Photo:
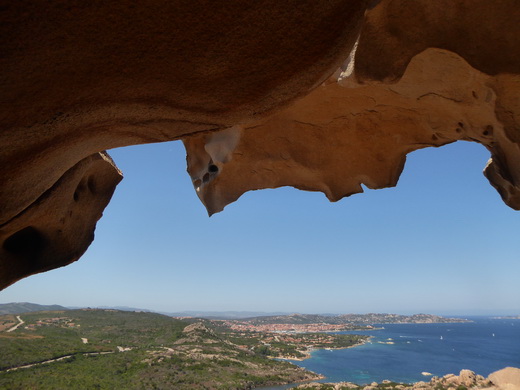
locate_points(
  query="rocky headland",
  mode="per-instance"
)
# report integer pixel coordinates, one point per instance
(505, 379)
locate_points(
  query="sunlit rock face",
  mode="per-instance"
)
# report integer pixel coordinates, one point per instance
(485, 34)
(423, 74)
(264, 94)
(506, 379)
(345, 134)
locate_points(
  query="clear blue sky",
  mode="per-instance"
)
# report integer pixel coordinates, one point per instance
(441, 242)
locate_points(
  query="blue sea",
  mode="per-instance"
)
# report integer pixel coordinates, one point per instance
(402, 352)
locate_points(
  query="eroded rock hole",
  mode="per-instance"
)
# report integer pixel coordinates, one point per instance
(213, 168)
(26, 241)
(205, 178)
(488, 130)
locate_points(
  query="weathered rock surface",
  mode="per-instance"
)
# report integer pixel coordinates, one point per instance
(505, 379)
(486, 34)
(345, 134)
(59, 226)
(78, 78)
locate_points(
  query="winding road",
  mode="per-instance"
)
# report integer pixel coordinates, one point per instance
(84, 340)
(58, 359)
(17, 325)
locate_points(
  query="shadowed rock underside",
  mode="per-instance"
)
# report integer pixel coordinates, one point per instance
(263, 95)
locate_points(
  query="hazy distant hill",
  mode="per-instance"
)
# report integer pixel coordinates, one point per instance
(127, 308)
(294, 319)
(354, 319)
(25, 307)
(385, 318)
(222, 315)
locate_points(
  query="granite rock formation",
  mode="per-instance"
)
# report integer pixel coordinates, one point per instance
(264, 94)
(345, 134)
(58, 227)
(77, 78)
(422, 74)
(505, 379)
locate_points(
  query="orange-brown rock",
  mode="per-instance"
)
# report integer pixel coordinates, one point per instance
(77, 78)
(506, 379)
(485, 33)
(344, 135)
(80, 77)
(58, 228)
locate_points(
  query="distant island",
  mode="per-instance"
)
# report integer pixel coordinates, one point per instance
(353, 319)
(347, 321)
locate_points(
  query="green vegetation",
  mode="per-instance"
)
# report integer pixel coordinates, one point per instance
(292, 345)
(50, 335)
(109, 349)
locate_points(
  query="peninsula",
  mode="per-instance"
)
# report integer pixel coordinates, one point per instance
(306, 323)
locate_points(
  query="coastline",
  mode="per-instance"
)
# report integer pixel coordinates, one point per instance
(483, 345)
(308, 352)
(506, 378)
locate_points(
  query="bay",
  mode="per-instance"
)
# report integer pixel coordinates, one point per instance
(403, 352)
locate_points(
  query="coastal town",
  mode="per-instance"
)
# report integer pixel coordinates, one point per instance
(292, 345)
(308, 323)
(295, 336)
(291, 328)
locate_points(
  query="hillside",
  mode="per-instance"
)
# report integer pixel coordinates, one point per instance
(126, 350)
(350, 319)
(24, 307)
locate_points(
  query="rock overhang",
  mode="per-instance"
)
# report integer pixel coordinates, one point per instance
(248, 88)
